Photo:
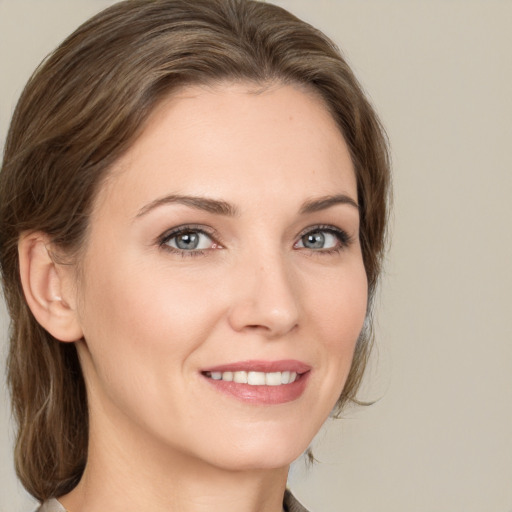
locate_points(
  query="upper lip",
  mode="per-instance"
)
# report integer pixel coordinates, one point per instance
(290, 365)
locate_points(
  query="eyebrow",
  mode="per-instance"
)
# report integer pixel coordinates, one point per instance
(199, 203)
(219, 207)
(322, 203)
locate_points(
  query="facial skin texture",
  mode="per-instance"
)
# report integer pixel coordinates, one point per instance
(153, 320)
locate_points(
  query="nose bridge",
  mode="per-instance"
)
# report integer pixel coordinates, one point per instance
(266, 297)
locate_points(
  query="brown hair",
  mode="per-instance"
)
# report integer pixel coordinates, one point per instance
(82, 109)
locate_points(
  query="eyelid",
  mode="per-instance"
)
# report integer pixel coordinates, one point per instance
(343, 237)
(163, 239)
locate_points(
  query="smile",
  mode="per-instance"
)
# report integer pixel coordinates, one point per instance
(255, 378)
(260, 382)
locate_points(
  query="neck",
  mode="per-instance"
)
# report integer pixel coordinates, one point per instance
(126, 472)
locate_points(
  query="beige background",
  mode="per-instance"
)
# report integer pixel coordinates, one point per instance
(440, 74)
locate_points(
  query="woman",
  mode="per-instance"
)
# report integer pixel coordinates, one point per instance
(193, 207)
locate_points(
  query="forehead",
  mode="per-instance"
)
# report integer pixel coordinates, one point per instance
(237, 140)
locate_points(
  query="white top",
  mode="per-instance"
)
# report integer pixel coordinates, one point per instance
(51, 506)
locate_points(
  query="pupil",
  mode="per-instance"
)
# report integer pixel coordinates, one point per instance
(314, 241)
(187, 241)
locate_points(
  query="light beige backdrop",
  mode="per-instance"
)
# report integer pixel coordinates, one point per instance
(440, 74)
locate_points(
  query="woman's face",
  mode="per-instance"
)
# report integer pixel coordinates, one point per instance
(224, 248)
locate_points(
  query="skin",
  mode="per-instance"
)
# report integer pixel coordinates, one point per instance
(161, 436)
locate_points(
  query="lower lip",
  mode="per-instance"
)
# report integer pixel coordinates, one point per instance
(264, 395)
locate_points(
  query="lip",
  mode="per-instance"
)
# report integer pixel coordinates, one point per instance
(284, 365)
(262, 395)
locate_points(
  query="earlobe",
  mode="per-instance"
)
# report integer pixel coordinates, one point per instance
(45, 285)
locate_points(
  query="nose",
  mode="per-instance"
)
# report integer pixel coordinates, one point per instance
(265, 299)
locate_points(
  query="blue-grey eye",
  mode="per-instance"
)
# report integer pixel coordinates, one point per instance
(190, 241)
(320, 239)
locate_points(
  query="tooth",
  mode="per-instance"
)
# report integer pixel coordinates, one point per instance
(256, 378)
(240, 377)
(273, 379)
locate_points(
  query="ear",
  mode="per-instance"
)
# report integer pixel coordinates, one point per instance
(48, 288)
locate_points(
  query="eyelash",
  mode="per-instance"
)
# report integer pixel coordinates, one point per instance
(164, 240)
(344, 239)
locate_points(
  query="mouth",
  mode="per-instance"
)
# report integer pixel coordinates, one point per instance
(260, 382)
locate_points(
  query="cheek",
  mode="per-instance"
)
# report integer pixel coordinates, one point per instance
(143, 303)
(338, 312)
(137, 320)
(339, 304)
(142, 327)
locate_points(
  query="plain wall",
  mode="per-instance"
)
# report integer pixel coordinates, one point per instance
(439, 439)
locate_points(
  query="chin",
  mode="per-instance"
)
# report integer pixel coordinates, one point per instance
(271, 452)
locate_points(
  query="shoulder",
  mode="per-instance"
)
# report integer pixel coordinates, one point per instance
(51, 506)
(290, 504)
